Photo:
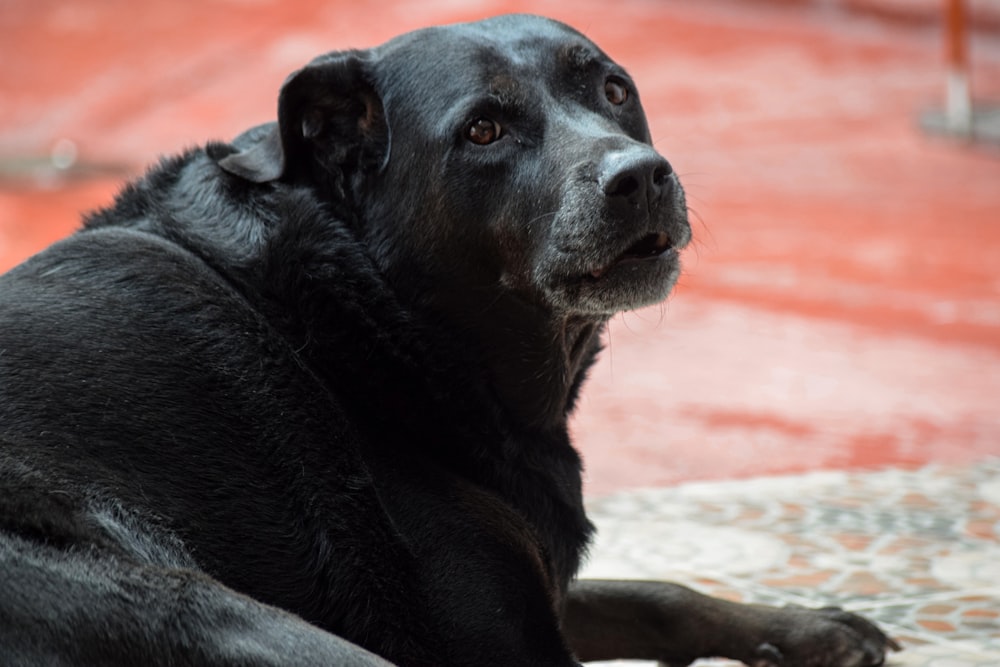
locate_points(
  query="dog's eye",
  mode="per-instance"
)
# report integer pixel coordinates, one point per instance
(483, 131)
(615, 91)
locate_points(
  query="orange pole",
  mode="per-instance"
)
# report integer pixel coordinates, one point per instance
(958, 52)
(958, 101)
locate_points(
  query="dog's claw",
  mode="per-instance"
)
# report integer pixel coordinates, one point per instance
(827, 637)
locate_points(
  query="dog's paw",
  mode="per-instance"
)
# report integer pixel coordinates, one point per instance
(828, 637)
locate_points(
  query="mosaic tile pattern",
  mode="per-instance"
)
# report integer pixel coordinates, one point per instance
(916, 550)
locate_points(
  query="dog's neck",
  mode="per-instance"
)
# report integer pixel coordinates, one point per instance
(537, 359)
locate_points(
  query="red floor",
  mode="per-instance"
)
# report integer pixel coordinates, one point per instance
(841, 306)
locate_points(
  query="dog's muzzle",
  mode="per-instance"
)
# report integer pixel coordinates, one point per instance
(617, 237)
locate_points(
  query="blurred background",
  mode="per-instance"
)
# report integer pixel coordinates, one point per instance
(840, 308)
(813, 417)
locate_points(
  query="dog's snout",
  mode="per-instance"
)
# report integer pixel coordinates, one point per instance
(635, 178)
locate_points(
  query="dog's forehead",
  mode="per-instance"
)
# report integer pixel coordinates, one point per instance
(456, 57)
(518, 35)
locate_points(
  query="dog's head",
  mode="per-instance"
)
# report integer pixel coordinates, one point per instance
(510, 154)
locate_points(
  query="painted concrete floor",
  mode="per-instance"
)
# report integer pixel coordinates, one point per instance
(814, 416)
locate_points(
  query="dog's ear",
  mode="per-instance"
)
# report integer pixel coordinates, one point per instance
(330, 124)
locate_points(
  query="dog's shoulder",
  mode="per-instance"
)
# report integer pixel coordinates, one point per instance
(259, 236)
(189, 200)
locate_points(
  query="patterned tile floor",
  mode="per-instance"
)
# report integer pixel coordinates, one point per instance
(916, 550)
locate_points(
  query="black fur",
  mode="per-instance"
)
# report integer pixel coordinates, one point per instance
(326, 369)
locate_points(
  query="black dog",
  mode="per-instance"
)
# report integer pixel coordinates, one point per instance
(307, 392)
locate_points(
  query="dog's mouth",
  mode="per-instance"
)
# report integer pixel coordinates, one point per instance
(650, 246)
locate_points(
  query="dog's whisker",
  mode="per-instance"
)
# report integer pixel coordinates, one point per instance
(539, 218)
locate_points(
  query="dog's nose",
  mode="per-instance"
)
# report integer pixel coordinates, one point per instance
(635, 179)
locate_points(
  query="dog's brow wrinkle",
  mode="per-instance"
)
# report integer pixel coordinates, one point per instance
(507, 91)
(578, 57)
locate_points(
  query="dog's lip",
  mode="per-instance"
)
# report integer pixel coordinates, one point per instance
(651, 246)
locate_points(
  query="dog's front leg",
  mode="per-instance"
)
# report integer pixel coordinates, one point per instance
(646, 620)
